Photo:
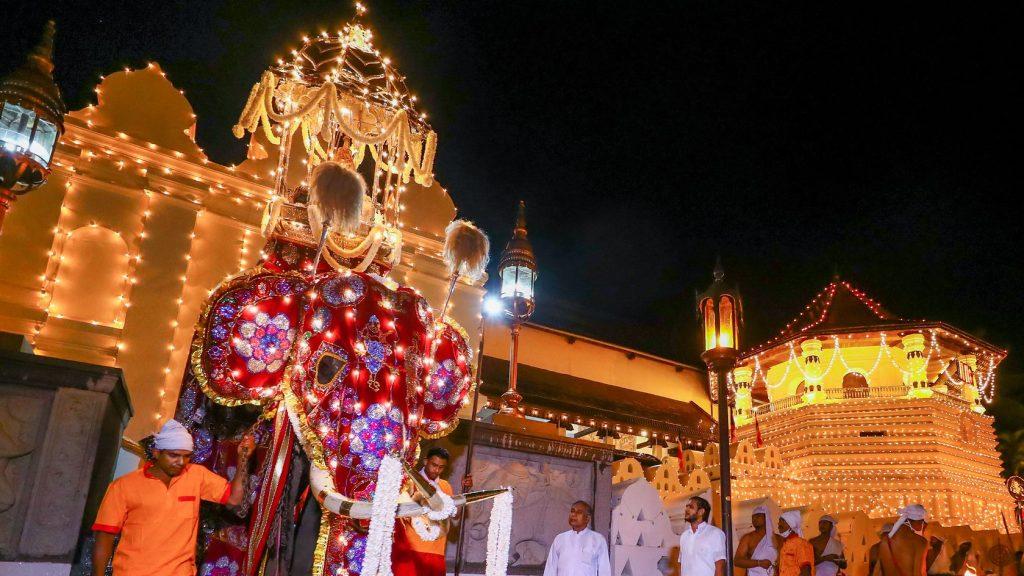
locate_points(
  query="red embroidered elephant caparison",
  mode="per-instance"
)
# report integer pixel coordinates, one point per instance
(350, 355)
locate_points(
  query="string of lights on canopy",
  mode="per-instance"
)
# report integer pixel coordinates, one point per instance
(346, 101)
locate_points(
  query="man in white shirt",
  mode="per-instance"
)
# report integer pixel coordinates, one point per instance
(580, 551)
(701, 545)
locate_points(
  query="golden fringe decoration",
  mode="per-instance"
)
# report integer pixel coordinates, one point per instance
(318, 106)
(310, 442)
(320, 552)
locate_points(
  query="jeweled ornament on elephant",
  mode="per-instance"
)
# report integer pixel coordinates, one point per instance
(335, 368)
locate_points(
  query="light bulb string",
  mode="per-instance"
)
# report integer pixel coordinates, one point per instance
(985, 383)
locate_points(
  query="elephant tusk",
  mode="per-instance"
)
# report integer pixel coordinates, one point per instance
(322, 487)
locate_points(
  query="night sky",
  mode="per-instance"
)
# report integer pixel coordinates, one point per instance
(794, 139)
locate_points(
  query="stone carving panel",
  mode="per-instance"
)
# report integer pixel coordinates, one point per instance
(62, 480)
(544, 487)
(21, 417)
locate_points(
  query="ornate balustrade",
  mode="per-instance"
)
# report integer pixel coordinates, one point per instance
(898, 391)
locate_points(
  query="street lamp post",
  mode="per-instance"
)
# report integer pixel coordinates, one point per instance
(721, 311)
(31, 123)
(518, 272)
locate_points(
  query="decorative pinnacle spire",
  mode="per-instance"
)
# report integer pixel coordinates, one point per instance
(719, 272)
(518, 250)
(42, 55)
(360, 11)
(32, 86)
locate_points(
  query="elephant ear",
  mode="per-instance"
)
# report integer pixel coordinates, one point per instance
(449, 382)
(245, 335)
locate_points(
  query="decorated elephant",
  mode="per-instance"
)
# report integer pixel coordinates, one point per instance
(325, 360)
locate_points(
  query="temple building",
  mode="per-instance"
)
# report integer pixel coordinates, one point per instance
(871, 411)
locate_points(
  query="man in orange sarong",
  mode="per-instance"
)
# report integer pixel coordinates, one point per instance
(156, 509)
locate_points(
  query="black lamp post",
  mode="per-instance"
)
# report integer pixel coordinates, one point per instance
(518, 272)
(721, 310)
(31, 123)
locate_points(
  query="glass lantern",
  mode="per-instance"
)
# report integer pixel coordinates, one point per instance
(22, 131)
(517, 282)
(720, 310)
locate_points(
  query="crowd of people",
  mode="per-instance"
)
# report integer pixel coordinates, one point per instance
(155, 511)
(773, 548)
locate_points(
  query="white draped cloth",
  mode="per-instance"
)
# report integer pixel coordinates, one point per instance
(828, 568)
(583, 553)
(834, 546)
(765, 549)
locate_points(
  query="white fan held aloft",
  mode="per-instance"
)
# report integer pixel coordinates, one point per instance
(335, 202)
(466, 253)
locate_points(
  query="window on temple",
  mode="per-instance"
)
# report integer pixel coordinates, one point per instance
(854, 380)
(91, 281)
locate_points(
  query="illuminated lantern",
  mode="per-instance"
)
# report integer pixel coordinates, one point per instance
(518, 272)
(721, 314)
(31, 123)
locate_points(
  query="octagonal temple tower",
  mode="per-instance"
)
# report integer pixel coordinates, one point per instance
(871, 411)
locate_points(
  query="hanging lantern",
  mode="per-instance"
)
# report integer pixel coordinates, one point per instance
(31, 123)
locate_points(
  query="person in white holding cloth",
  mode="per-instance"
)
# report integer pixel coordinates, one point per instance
(579, 551)
(758, 550)
(701, 545)
(828, 550)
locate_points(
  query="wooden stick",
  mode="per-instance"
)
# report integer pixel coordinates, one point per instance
(469, 450)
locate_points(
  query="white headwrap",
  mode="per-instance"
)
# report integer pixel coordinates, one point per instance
(909, 512)
(795, 521)
(828, 518)
(762, 509)
(173, 436)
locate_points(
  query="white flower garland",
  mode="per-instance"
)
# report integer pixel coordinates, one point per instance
(426, 530)
(428, 526)
(447, 509)
(377, 560)
(499, 534)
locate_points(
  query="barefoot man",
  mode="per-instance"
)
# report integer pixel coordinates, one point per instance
(758, 551)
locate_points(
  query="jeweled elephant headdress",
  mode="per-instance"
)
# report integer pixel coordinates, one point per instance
(316, 347)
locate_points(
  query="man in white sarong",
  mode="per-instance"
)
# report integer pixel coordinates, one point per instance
(828, 550)
(758, 550)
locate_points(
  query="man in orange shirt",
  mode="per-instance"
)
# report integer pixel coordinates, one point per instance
(156, 509)
(417, 554)
(796, 555)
